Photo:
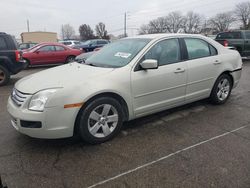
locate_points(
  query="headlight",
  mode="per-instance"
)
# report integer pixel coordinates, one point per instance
(38, 100)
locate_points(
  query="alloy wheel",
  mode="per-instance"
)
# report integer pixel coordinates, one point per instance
(102, 120)
(223, 89)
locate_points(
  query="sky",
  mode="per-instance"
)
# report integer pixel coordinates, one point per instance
(49, 15)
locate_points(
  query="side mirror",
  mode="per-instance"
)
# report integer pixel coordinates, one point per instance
(149, 64)
(37, 52)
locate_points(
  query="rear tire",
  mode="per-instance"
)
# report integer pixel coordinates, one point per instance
(100, 120)
(221, 90)
(4, 76)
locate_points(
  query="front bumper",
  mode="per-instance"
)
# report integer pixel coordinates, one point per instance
(57, 122)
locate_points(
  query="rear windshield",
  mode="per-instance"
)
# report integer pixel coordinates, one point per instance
(229, 35)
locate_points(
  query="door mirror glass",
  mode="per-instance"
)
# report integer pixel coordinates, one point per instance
(149, 64)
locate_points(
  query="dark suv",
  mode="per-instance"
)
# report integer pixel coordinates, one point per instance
(11, 61)
(91, 45)
(239, 39)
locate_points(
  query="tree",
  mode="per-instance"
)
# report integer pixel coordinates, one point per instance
(242, 13)
(67, 31)
(144, 29)
(174, 22)
(157, 26)
(222, 21)
(192, 23)
(101, 31)
(86, 32)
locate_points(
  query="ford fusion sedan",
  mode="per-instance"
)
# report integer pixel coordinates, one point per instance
(127, 79)
(50, 53)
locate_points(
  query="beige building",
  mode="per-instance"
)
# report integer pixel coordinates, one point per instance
(39, 36)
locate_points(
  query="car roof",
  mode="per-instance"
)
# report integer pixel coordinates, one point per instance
(165, 35)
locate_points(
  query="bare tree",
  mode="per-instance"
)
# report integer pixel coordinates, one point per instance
(157, 26)
(174, 22)
(67, 31)
(242, 13)
(86, 32)
(192, 23)
(222, 21)
(144, 29)
(101, 31)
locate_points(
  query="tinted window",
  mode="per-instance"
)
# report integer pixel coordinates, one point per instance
(197, 48)
(59, 48)
(165, 52)
(47, 49)
(229, 35)
(101, 42)
(67, 43)
(247, 34)
(23, 46)
(32, 45)
(3, 45)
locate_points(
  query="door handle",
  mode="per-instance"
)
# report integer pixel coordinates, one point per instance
(217, 62)
(179, 70)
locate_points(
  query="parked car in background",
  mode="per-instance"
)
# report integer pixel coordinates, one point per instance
(24, 46)
(240, 40)
(70, 42)
(91, 45)
(50, 53)
(11, 61)
(128, 79)
(84, 56)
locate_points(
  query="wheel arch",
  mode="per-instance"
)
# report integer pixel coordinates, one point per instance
(227, 72)
(116, 96)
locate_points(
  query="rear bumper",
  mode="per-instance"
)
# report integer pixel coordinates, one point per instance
(236, 74)
(16, 67)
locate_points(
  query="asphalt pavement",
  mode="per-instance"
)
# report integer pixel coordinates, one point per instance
(196, 145)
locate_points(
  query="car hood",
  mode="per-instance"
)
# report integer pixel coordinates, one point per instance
(62, 76)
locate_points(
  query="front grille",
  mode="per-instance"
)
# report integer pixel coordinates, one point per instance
(18, 97)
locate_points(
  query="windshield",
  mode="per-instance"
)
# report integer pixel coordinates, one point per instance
(118, 54)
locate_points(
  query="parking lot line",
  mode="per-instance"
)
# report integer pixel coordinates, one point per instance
(165, 157)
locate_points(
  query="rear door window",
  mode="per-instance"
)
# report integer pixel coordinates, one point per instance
(197, 48)
(47, 49)
(59, 48)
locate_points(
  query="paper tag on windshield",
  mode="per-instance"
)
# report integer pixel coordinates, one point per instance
(122, 55)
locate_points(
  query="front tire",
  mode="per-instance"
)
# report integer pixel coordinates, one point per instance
(4, 76)
(100, 120)
(221, 90)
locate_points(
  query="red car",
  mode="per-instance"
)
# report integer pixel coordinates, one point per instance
(50, 53)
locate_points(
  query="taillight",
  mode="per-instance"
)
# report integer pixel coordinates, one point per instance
(18, 55)
(225, 43)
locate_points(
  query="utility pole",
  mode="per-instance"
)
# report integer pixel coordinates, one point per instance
(125, 24)
(28, 25)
